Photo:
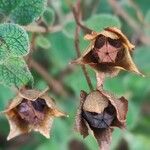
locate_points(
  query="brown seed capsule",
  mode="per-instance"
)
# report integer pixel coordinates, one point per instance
(109, 52)
(31, 110)
(100, 112)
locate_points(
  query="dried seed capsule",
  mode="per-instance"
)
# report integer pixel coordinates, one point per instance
(100, 112)
(97, 110)
(30, 110)
(109, 52)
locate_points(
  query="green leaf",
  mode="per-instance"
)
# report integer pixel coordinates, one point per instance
(91, 143)
(22, 11)
(76, 84)
(133, 115)
(62, 50)
(137, 141)
(6, 94)
(48, 16)
(116, 138)
(103, 7)
(114, 85)
(13, 41)
(147, 22)
(143, 5)
(43, 42)
(101, 21)
(14, 71)
(141, 57)
(69, 29)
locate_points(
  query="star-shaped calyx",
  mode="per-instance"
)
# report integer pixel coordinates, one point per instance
(31, 110)
(109, 52)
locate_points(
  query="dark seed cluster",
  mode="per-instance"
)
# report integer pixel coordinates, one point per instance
(106, 50)
(100, 120)
(32, 112)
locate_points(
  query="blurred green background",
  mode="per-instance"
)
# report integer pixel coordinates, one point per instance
(54, 50)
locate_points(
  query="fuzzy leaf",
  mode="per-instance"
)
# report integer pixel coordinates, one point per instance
(99, 22)
(69, 29)
(22, 11)
(147, 21)
(13, 41)
(43, 42)
(48, 16)
(14, 71)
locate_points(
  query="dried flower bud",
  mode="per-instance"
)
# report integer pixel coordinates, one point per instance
(31, 110)
(100, 112)
(109, 52)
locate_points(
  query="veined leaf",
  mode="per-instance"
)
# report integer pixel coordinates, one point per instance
(14, 71)
(43, 42)
(22, 11)
(100, 21)
(48, 16)
(13, 41)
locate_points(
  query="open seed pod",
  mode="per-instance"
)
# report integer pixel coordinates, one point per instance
(100, 112)
(109, 52)
(31, 110)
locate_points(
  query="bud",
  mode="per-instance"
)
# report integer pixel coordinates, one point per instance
(31, 110)
(109, 52)
(100, 112)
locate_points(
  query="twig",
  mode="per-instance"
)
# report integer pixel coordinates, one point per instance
(87, 77)
(32, 47)
(37, 28)
(40, 29)
(100, 77)
(132, 23)
(76, 42)
(139, 13)
(53, 83)
(77, 13)
(67, 70)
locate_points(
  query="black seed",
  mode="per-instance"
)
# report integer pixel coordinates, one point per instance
(115, 42)
(110, 110)
(100, 41)
(31, 112)
(102, 120)
(39, 104)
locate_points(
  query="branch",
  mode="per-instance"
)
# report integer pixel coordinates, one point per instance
(132, 23)
(77, 17)
(100, 77)
(37, 28)
(40, 29)
(67, 70)
(76, 13)
(52, 83)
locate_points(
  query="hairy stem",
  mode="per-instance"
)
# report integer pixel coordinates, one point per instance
(76, 42)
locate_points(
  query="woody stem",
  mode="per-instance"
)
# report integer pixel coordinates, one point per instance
(100, 77)
(76, 42)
